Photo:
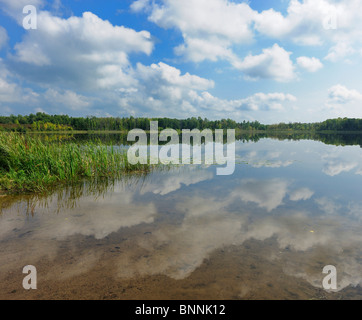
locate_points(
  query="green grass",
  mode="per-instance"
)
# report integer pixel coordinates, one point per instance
(30, 164)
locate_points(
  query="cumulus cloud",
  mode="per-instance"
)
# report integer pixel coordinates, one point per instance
(209, 27)
(328, 206)
(81, 52)
(273, 63)
(85, 55)
(88, 55)
(91, 55)
(256, 102)
(170, 181)
(343, 102)
(267, 194)
(203, 230)
(301, 194)
(164, 89)
(303, 23)
(339, 51)
(163, 73)
(140, 5)
(334, 167)
(339, 94)
(68, 99)
(86, 52)
(309, 64)
(270, 101)
(315, 22)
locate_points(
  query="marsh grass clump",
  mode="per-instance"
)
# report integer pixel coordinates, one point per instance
(29, 164)
(4, 158)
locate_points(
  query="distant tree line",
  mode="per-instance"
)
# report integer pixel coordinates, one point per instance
(45, 122)
(119, 124)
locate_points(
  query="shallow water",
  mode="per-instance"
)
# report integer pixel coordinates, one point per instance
(265, 232)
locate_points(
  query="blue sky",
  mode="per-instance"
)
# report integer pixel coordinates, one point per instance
(271, 61)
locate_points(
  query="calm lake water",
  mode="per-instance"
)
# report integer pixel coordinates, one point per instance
(266, 232)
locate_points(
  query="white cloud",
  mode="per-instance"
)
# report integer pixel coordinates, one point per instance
(339, 94)
(212, 28)
(170, 181)
(163, 73)
(343, 102)
(339, 51)
(140, 5)
(309, 64)
(84, 52)
(67, 99)
(262, 101)
(257, 102)
(268, 194)
(336, 162)
(206, 227)
(272, 23)
(303, 23)
(206, 18)
(316, 22)
(209, 27)
(334, 167)
(89, 55)
(328, 206)
(117, 212)
(198, 49)
(301, 194)
(163, 89)
(274, 63)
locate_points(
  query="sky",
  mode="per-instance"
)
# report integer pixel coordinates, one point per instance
(267, 60)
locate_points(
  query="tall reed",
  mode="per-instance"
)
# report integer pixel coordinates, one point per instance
(32, 164)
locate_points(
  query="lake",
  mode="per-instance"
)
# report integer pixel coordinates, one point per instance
(292, 207)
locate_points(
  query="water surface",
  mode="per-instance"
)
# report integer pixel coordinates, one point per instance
(265, 232)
